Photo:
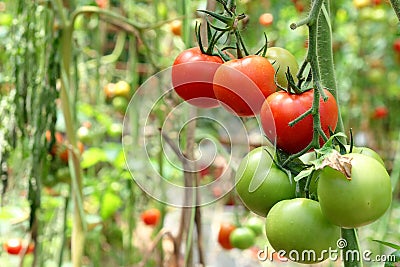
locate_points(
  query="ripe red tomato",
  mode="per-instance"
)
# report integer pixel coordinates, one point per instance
(63, 154)
(14, 246)
(59, 139)
(396, 45)
(109, 91)
(224, 233)
(266, 19)
(192, 77)
(176, 27)
(151, 216)
(380, 112)
(102, 3)
(243, 84)
(282, 107)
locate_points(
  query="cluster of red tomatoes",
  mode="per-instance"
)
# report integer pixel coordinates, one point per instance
(246, 87)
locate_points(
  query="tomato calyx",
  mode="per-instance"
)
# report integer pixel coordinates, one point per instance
(292, 87)
(232, 27)
(214, 37)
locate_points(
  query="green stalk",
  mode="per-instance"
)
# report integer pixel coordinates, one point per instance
(396, 7)
(320, 57)
(325, 61)
(189, 238)
(63, 238)
(78, 234)
(352, 245)
(185, 4)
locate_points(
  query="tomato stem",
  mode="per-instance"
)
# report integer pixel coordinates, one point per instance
(302, 116)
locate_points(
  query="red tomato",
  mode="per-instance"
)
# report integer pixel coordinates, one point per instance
(380, 112)
(243, 84)
(101, 3)
(266, 19)
(151, 216)
(396, 45)
(224, 233)
(14, 246)
(192, 77)
(176, 27)
(282, 107)
(63, 154)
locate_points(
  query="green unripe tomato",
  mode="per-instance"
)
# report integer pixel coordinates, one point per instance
(366, 151)
(259, 182)
(242, 238)
(283, 59)
(358, 201)
(120, 103)
(256, 225)
(298, 227)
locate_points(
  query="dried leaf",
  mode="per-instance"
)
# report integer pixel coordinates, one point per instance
(338, 162)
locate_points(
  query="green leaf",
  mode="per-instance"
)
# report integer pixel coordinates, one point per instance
(109, 205)
(388, 244)
(92, 156)
(226, 20)
(303, 174)
(328, 146)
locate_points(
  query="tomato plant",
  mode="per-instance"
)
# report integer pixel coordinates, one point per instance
(242, 238)
(281, 60)
(242, 84)
(298, 225)
(224, 234)
(280, 108)
(359, 200)
(151, 216)
(260, 183)
(192, 77)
